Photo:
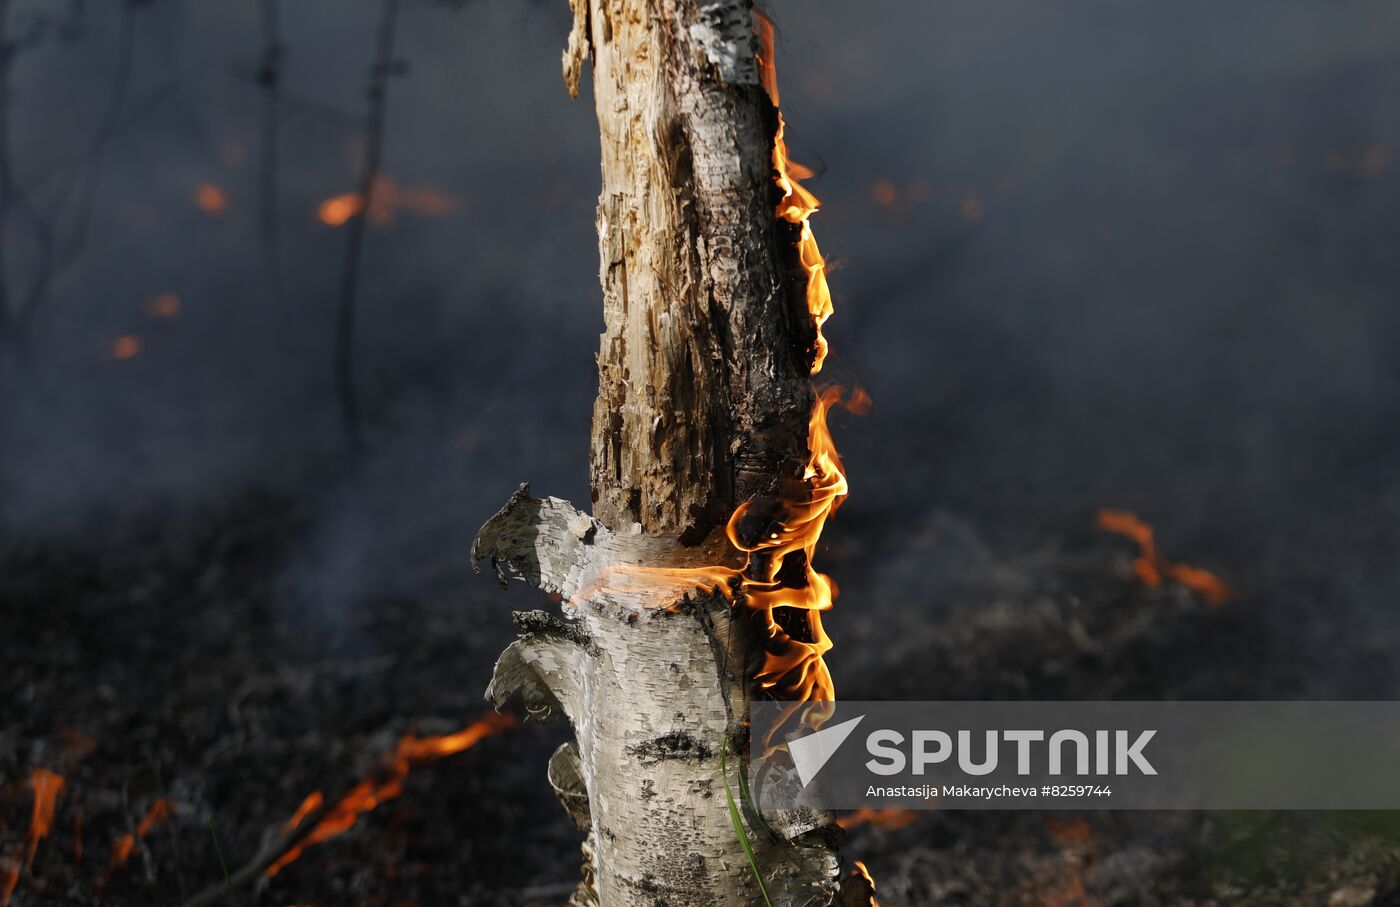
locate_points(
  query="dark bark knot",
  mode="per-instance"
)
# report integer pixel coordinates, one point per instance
(675, 745)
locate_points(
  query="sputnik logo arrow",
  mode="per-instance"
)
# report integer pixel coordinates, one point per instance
(810, 753)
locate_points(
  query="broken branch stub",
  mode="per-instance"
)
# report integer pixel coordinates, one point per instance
(650, 671)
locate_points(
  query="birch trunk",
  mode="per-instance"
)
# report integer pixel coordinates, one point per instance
(703, 403)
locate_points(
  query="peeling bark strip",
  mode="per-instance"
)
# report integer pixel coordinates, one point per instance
(654, 682)
(703, 394)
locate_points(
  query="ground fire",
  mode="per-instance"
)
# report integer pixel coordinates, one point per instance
(46, 785)
(1152, 568)
(385, 783)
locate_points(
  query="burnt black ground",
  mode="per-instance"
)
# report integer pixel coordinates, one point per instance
(165, 655)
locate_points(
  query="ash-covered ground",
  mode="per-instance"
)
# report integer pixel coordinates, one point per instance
(160, 674)
(1133, 255)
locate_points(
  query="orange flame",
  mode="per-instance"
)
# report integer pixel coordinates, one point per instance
(779, 537)
(312, 803)
(385, 784)
(864, 873)
(890, 819)
(797, 207)
(1150, 566)
(336, 210)
(386, 198)
(798, 204)
(794, 668)
(126, 845)
(767, 65)
(46, 786)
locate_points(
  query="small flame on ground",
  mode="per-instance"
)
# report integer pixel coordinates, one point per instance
(126, 845)
(46, 785)
(386, 198)
(890, 819)
(1151, 567)
(210, 199)
(384, 784)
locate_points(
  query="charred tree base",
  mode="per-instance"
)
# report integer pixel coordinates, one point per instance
(653, 675)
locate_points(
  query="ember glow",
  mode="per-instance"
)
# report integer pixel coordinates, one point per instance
(890, 819)
(210, 199)
(384, 784)
(1152, 568)
(164, 305)
(126, 845)
(386, 199)
(126, 346)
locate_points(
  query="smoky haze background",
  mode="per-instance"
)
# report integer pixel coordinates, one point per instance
(1132, 254)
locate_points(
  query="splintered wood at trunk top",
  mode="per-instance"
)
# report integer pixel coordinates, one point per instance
(703, 391)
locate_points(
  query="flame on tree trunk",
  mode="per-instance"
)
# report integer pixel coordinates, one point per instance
(690, 591)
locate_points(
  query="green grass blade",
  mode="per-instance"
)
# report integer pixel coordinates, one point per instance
(737, 821)
(213, 833)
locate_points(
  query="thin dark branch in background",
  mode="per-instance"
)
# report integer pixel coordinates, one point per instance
(7, 177)
(12, 199)
(293, 101)
(301, 103)
(78, 183)
(83, 185)
(270, 80)
(135, 112)
(384, 68)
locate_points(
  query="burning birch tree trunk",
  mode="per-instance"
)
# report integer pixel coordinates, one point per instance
(701, 436)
